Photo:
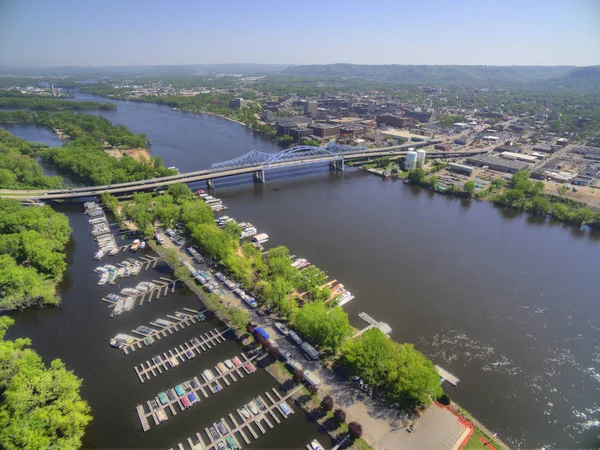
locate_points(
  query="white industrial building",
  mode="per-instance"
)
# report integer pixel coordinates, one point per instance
(421, 157)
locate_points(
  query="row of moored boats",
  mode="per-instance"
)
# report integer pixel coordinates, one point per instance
(100, 230)
(216, 204)
(109, 273)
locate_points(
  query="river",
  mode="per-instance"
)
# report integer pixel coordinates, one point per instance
(506, 302)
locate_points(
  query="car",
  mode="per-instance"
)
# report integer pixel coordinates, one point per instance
(281, 328)
(285, 354)
(260, 312)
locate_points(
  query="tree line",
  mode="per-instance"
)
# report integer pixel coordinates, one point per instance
(32, 254)
(17, 100)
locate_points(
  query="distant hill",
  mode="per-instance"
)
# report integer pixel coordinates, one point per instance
(241, 69)
(477, 75)
(580, 76)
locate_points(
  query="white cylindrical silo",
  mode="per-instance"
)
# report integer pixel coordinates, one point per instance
(411, 160)
(421, 157)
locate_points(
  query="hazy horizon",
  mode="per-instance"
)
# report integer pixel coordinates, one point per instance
(110, 33)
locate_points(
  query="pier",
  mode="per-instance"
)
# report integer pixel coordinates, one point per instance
(255, 426)
(383, 327)
(447, 376)
(162, 288)
(203, 386)
(175, 324)
(172, 358)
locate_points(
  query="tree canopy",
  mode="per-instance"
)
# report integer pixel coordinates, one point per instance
(398, 370)
(32, 254)
(323, 327)
(41, 406)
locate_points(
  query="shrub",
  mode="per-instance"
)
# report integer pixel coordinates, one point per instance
(298, 375)
(274, 353)
(250, 328)
(339, 416)
(444, 399)
(355, 430)
(267, 345)
(313, 389)
(327, 403)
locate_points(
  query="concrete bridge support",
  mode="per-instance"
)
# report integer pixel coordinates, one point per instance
(338, 164)
(210, 184)
(259, 176)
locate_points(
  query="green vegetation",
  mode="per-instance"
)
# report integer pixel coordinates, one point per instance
(327, 328)
(80, 126)
(529, 196)
(41, 406)
(475, 443)
(32, 249)
(83, 155)
(18, 170)
(398, 371)
(451, 120)
(17, 100)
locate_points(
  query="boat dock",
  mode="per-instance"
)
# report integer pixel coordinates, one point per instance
(240, 428)
(175, 324)
(447, 376)
(174, 403)
(163, 284)
(383, 327)
(172, 358)
(143, 418)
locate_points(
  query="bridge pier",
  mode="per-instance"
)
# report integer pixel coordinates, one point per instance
(259, 176)
(210, 184)
(338, 164)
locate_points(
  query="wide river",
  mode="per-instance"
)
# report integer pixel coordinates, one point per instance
(506, 302)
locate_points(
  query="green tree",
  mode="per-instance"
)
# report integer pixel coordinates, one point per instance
(180, 192)
(540, 205)
(469, 188)
(432, 181)
(41, 407)
(309, 280)
(562, 190)
(326, 328)
(417, 176)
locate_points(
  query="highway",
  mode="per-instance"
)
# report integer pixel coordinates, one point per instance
(206, 175)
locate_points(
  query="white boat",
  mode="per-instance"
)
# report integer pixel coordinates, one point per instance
(130, 291)
(314, 445)
(121, 272)
(99, 254)
(101, 270)
(345, 298)
(260, 238)
(103, 279)
(142, 287)
(129, 303)
(119, 307)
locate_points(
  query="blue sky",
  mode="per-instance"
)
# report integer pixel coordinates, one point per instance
(149, 32)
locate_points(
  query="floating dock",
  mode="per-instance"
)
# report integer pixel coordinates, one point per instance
(383, 327)
(240, 428)
(177, 325)
(162, 284)
(447, 376)
(172, 358)
(203, 387)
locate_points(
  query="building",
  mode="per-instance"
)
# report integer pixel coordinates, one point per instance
(519, 157)
(236, 103)
(442, 147)
(542, 148)
(269, 115)
(421, 157)
(411, 160)
(299, 133)
(501, 165)
(284, 128)
(507, 148)
(460, 168)
(395, 121)
(310, 107)
(422, 117)
(325, 130)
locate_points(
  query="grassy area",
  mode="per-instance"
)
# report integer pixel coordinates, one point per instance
(476, 443)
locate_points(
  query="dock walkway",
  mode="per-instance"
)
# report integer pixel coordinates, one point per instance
(204, 386)
(162, 284)
(447, 376)
(176, 324)
(255, 426)
(172, 358)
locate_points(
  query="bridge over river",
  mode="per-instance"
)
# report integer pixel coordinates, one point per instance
(254, 162)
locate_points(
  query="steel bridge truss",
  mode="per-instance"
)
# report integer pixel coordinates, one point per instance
(333, 151)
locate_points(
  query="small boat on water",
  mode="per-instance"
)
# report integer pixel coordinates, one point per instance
(245, 413)
(113, 297)
(99, 254)
(129, 303)
(285, 408)
(136, 245)
(118, 307)
(130, 291)
(121, 272)
(101, 270)
(314, 445)
(103, 279)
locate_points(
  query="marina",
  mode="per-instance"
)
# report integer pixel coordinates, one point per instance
(263, 415)
(178, 321)
(180, 354)
(100, 230)
(190, 392)
(143, 291)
